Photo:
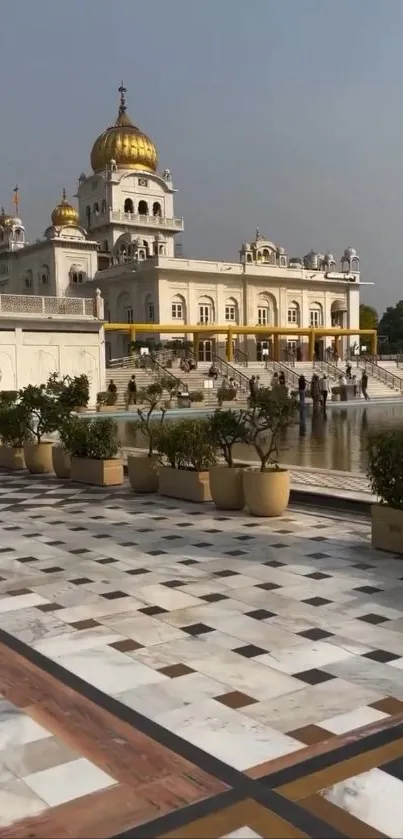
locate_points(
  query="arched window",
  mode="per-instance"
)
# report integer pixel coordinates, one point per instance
(129, 208)
(293, 313)
(147, 248)
(231, 310)
(96, 209)
(206, 310)
(105, 246)
(143, 208)
(156, 208)
(265, 255)
(249, 257)
(178, 308)
(88, 216)
(267, 310)
(315, 314)
(44, 275)
(124, 308)
(103, 205)
(149, 309)
(74, 277)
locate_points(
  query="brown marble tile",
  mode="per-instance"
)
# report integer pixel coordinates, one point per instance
(126, 646)
(235, 699)
(389, 705)
(340, 819)
(173, 671)
(16, 592)
(310, 784)
(310, 734)
(49, 607)
(85, 624)
(245, 814)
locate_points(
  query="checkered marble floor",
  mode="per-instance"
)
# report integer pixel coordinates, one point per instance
(248, 638)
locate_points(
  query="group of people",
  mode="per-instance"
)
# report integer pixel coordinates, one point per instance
(187, 365)
(131, 392)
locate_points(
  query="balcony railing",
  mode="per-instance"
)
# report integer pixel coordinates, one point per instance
(134, 218)
(29, 304)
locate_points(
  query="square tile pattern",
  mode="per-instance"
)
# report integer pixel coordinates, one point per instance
(246, 646)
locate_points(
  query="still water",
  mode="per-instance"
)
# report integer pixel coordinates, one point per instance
(337, 442)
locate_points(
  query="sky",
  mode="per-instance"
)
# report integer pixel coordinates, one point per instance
(285, 115)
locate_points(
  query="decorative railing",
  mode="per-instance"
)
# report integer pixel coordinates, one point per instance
(241, 357)
(29, 304)
(385, 376)
(146, 221)
(227, 369)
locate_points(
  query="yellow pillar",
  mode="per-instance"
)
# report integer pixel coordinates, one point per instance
(311, 347)
(196, 346)
(276, 347)
(374, 342)
(230, 349)
(336, 347)
(132, 340)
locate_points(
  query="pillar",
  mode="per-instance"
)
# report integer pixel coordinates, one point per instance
(230, 351)
(374, 344)
(311, 346)
(132, 340)
(196, 339)
(276, 346)
(336, 348)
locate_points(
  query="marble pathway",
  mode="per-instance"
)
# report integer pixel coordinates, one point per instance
(246, 640)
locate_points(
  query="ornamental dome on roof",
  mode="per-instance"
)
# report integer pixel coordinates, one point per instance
(125, 144)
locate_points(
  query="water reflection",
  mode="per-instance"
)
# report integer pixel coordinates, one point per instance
(334, 440)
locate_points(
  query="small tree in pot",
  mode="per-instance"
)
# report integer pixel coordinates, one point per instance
(385, 473)
(61, 458)
(267, 490)
(43, 415)
(72, 393)
(227, 429)
(186, 452)
(93, 445)
(143, 470)
(14, 434)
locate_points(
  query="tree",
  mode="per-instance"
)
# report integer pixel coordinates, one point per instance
(368, 317)
(391, 326)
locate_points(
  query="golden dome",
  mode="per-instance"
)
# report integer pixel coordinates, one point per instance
(125, 144)
(64, 213)
(5, 218)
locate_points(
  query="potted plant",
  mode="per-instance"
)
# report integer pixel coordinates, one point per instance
(186, 453)
(267, 490)
(143, 470)
(106, 400)
(14, 433)
(385, 473)
(225, 393)
(93, 446)
(227, 428)
(61, 458)
(72, 393)
(42, 414)
(8, 397)
(196, 396)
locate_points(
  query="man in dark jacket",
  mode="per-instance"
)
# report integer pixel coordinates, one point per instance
(132, 392)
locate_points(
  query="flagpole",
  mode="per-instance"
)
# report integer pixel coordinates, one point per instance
(16, 200)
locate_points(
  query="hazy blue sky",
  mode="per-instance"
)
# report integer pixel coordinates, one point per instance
(286, 114)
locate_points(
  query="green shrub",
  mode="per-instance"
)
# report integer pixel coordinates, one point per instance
(102, 398)
(13, 426)
(228, 428)
(226, 394)
(8, 397)
(269, 415)
(71, 392)
(152, 397)
(385, 467)
(95, 438)
(186, 444)
(196, 396)
(40, 411)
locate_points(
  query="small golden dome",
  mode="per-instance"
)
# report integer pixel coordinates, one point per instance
(125, 144)
(64, 213)
(5, 218)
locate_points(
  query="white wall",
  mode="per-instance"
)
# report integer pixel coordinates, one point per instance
(29, 357)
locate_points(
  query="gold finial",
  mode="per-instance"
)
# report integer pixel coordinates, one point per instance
(64, 196)
(122, 106)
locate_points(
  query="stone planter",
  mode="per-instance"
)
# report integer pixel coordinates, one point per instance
(11, 457)
(183, 484)
(143, 473)
(103, 473)
(38, 457)
(387, 528)
(226, 487)
(106, 409)
(61, 462)
(266, 493)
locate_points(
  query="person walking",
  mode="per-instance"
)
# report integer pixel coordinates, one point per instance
(364, 385)
(131, 392)
(315, 391)
(301, 389)
(112, 387)
(324, 389)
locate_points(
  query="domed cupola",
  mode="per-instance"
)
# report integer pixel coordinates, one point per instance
(64, 213)
(125, 144)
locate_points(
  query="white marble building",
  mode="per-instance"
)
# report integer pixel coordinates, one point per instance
(122, 239)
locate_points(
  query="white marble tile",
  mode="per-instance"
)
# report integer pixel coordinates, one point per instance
(311, 654)
(157, 699)
(17, 801)
(374, 797)
(22, 601)
(110, 670)
(228, 735)
(167, 598)
(68, 781)
(371, 674)
(17, 729)
(246, 675)
(351, 720)
(242, 833)
(72, 642)
(144, 629)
